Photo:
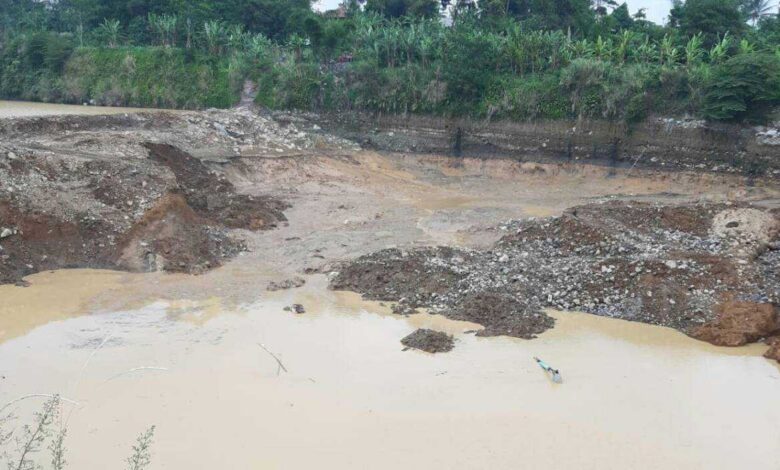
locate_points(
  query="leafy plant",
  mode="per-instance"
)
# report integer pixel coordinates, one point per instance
(745, 87)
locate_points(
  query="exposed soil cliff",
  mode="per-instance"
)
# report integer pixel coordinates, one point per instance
(661, 143)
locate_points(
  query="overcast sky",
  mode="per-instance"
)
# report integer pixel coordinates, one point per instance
(657, 10)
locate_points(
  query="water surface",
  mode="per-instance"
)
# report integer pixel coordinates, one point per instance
(634, 396)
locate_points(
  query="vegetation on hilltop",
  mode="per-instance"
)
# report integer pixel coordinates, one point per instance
(513, 59)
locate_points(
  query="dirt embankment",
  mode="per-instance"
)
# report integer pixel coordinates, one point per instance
(711, 271)
(657, 143)
(104, 192)
(177, 224)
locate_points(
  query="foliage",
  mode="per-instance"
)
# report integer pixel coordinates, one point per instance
(30, 440)
(745, 87)
(712, 18)
(516, 59)
(141, 457)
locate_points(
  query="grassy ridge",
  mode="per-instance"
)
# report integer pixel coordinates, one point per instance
(132, 76)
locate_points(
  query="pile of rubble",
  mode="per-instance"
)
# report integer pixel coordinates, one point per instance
(429, 341)
(140, 192)
(711, 271)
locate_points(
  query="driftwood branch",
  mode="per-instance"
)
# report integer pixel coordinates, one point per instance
(137, 369)
(280, 365)
(38, 395)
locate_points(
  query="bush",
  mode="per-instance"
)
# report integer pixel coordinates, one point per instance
(745, 87)
(149, 77)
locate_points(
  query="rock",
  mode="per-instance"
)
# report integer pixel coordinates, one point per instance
(429, 341)
(286, 284)
(298, 308)
(774, 348)
(5, 233)
(12, 156)
(739, 323)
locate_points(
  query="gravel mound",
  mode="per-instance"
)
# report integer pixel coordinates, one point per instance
(664, 265)
(429, 341)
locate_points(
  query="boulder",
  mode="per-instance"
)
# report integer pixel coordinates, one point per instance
(739, 323)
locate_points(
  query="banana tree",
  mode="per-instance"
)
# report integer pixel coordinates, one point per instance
(694, 52)
(668, 52)
(214, 33)
(647, 52)
(110, 30)
(623, 46)
(720, 51)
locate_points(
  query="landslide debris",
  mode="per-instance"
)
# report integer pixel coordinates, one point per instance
(214, 197)
(429, 341)
(139, 192)
(709, 270)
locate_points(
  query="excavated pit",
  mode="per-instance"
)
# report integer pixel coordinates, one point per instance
(172, 192)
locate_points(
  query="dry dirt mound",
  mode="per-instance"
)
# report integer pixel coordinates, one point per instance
(664, 265)
(429, 341)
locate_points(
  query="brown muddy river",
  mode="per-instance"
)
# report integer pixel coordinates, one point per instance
(182, 353)
(634, 396)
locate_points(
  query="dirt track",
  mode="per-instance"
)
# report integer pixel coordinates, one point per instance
(186, 192)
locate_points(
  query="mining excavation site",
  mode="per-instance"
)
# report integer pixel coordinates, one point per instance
(286, 291)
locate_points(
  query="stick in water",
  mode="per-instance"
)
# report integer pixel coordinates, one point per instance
(136, 370)
(281, 366)
(38, 395)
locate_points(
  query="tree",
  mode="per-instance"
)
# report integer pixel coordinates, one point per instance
(400, 8)
(756, 9)
(575, 15)
(621, 17)
(713, 18)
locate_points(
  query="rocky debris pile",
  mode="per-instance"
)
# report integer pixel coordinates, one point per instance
(142, 192)
(212, 196)
(676, 266)
(214, 135)
(429, 341)
(293, 283)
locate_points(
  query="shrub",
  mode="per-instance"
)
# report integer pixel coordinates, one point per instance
(745, 87)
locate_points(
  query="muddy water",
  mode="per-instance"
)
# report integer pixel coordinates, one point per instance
(634, 396)
(9, 109)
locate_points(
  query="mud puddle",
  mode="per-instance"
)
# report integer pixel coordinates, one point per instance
(633, 396)
(13, 109)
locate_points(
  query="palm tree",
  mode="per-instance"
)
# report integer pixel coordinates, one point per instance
(757, 9)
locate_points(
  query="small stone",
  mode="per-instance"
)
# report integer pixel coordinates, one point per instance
(298, 308)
